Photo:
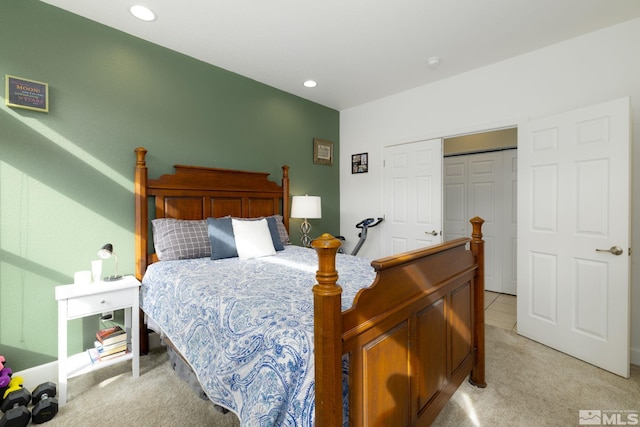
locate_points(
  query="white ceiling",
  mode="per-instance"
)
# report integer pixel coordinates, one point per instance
(357, 50)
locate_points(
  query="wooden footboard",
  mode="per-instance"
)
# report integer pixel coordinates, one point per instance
(411, 338)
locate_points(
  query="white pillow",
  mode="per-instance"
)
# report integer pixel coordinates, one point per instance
(253, 238)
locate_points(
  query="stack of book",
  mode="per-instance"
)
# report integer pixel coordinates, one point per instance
(111, 342)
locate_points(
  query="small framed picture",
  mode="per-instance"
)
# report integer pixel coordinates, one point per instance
(28, 94)
(360, 163)
(322, 152)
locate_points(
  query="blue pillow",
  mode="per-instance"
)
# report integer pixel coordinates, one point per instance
(223, 241)
(275, 234)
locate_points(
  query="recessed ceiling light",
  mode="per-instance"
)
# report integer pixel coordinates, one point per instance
(143, 13)
(310, 83)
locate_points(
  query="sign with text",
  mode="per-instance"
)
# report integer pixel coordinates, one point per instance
(29, 94)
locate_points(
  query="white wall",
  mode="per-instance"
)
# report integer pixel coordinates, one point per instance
(587, 70)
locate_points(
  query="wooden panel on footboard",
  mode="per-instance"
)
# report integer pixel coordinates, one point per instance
(432, 338)
(379, 375)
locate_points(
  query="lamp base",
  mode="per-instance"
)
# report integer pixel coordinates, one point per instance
(305, 228)
(112, 278)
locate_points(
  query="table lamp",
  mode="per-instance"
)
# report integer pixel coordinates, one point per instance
(306, 207)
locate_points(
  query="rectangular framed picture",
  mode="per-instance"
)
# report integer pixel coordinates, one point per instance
(360, 163)
(322, 152)
(25, 93)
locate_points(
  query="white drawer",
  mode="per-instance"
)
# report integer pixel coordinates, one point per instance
(85, 305)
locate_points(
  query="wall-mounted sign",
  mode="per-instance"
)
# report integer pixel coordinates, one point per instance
(322, 152)
(24, 93)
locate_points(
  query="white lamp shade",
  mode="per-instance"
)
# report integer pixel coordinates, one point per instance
(306, 207)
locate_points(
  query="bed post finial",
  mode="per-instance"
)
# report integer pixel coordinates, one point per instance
(141, 152)
(327, 311)
(477, 376)
(476, 223)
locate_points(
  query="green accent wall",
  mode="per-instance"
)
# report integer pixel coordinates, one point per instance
(66, 177)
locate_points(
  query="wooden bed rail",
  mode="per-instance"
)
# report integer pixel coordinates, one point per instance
(417, 281)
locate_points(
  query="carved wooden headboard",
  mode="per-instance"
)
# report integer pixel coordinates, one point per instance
(198, 193)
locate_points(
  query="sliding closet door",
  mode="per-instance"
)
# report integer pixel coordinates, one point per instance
(483, 185)
(454, 181)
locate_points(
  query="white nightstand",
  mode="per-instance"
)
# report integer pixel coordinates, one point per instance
(75, 301)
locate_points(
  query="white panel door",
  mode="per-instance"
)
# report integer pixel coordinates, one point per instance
(455, 186)
(573, 200)
(485, 201)
(483, 184)
(412, 195)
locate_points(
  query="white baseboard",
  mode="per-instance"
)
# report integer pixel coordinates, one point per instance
(32, 377)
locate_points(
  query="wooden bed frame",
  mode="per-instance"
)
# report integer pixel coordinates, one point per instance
(411, 338)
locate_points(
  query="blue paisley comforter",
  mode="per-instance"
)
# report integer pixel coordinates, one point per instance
(246, 327)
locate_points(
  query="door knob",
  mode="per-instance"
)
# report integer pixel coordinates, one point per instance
(433, 233)
(615, 250)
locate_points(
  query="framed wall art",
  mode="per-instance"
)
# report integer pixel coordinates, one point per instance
(25, 93)
(360, 163)
(322, 152)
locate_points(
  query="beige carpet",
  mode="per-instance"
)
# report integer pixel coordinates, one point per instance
(111, 397)
(528, 385)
